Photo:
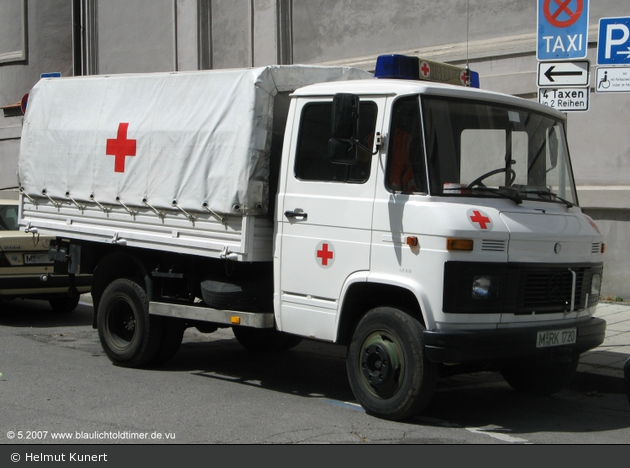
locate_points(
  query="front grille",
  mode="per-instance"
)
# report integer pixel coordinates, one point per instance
(522, 288)
(549, 289)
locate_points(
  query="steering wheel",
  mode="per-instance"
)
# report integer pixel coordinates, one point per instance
(478, 180)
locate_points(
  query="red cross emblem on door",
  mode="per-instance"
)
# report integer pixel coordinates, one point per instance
(480, 220)
(325, 254)
(120, 147)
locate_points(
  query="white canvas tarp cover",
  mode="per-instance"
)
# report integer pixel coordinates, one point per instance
(163, 139)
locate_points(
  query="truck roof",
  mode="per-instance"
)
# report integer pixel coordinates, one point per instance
(393, 87)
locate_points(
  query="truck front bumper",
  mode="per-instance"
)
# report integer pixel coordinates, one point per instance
(502, 344)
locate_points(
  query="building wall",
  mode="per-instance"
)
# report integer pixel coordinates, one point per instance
(497, 37)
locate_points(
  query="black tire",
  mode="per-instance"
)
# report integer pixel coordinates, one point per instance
(172, 335)
(387, 368)
(129, 335)
(541, 378)
(64, 304)
(265, 339)
(243, 295)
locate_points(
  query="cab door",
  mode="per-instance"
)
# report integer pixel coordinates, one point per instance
(325, 218)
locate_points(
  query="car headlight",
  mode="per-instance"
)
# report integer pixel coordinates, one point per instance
(484, 287)
(596, 284)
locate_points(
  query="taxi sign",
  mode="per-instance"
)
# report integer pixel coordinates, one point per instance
(565, 99)
(562, 29)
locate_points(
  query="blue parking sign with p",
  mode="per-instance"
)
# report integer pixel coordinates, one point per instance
(562, 29)
(613, 45)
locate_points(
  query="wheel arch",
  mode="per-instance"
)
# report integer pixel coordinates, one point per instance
(363, 296)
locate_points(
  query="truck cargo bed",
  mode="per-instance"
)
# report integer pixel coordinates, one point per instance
(241, 238)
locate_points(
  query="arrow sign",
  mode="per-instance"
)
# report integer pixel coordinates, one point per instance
(564, 73)
(551, 73)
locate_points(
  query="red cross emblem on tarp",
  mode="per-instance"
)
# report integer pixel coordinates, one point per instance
(480, 220)
(325, 254)
(121, 147)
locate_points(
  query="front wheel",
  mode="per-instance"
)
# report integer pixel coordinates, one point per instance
(541, 378)
(387, 368)
(129, 335)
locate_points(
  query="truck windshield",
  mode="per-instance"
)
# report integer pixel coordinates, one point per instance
(489, 150)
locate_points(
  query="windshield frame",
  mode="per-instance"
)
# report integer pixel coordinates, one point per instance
(517, 192)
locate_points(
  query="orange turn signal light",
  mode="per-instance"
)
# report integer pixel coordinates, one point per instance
(412, 241)
(236, 320)
(462, 245)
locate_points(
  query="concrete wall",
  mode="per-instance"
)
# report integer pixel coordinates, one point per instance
(497, 37)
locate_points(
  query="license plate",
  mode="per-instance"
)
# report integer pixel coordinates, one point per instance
(549, 338)
(31, 259)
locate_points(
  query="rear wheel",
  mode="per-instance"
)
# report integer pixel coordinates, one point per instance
(387, 367)
(541, 378)
(129, 335)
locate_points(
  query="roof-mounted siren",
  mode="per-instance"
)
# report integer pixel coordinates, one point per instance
(409, 67)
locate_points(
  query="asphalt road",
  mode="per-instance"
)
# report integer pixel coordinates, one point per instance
(57, 386)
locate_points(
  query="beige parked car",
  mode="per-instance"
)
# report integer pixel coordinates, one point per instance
(25, 269)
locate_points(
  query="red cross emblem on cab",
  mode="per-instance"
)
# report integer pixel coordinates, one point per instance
(120, 147)
(479, 219)
(325, 254)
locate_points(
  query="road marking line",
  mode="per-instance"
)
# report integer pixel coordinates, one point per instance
(490, 432)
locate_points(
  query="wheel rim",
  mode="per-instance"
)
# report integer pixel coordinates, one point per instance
(121, 324)
(382, 364)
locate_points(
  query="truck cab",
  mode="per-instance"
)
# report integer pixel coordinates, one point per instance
(454, 207)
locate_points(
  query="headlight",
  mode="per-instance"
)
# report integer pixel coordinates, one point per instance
(596, 284)
(484, 287)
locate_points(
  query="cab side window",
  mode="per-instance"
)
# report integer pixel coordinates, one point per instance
(406, 170)
(311, 162)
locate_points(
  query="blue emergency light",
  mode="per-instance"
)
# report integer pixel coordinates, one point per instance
(406, 67)
(401, 67)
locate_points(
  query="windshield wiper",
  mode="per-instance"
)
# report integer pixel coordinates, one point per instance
(505, 192)
(542, 193)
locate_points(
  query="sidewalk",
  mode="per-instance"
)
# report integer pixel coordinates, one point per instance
(608, 358)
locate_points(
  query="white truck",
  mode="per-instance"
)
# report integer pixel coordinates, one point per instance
(431, 228)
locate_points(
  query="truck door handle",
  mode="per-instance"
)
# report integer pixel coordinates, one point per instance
(296, 214)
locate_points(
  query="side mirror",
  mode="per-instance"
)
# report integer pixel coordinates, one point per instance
(342, 152)
(345, 129)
